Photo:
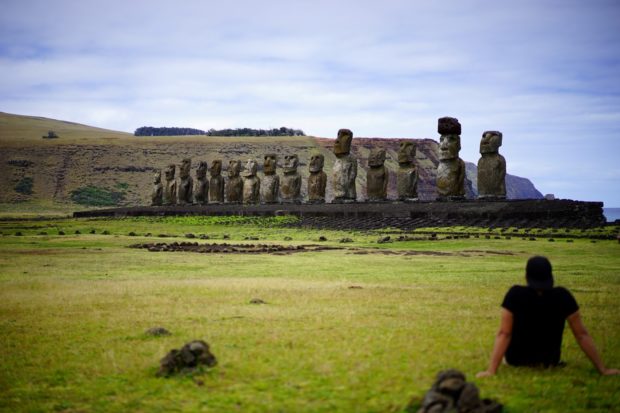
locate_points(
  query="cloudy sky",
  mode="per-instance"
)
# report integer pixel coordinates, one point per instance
(544, 72)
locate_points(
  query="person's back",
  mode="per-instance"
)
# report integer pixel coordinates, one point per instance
(539, 318)
(532, 323)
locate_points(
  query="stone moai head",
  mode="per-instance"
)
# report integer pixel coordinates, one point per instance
(234, 168)
(490, 142)
(450, 140)
(186, 165)
(170, 171)
(290, 163)
(406, 152)
(251, 167)
(157, 178)
(270, 163)
(376, 157)
(343, 142)
(201, 171)
(216, 167)
(316, 162)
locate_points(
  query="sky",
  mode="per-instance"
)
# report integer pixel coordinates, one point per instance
(546, 73)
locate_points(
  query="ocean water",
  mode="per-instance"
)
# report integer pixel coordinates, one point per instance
(611, 214)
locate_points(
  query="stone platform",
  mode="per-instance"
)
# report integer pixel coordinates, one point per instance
(500, 214)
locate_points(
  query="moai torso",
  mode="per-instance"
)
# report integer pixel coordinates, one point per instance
(451, 178)
(376, 176)
(290, 189)
(158, 190)
(344, 171)
(201, 187)
(317, 180)
(407, 175)
(491, 167)
(170, 187)
(186, 183)
(251, 183)
(451, 168)
(270, 184)
(216, 183)
(234, 184)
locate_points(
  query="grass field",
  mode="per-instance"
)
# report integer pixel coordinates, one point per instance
(74, 309)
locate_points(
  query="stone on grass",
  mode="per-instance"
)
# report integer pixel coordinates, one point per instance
(187, 359)
(157, 331)
(452, 393)
(257, 301)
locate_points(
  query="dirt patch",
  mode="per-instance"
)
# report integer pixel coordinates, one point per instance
(401, 253)
(226, 248)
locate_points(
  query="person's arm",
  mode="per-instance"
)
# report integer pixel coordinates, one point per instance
(586, 343)
(502, 340)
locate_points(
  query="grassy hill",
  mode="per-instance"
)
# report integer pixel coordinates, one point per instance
(116, 168)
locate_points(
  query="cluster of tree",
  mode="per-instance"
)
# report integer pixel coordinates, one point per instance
(165, 131)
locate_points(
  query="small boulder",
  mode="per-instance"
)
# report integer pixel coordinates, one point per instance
(187, 359)
(157, 332)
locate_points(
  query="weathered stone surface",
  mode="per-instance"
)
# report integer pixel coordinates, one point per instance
(170, 187)
(158, 190)
(344, 170)
(216, 183)
(192, 355)
(270, 184)
(452, 394)
(407, 174)
(201, 186)
(186, 183)
(317, 181)
(290, 189)
(448, 126)
(234, 184)
(451, 168)
(377, 176)
(251, 183)
(491, 167)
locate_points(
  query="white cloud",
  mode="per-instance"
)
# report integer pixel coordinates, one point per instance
(546, 74)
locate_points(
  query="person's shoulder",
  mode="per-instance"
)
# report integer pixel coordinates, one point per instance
(559, 290)
(517, 289)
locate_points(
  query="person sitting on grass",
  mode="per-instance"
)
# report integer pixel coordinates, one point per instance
(532, 323)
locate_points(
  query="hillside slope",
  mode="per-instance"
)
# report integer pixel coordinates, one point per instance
(119, 167)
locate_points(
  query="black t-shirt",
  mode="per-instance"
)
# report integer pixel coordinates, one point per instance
(539, 317)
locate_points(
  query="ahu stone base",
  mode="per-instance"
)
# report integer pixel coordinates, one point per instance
(507, 213)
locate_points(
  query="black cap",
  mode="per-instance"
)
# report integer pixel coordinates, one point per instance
(538, 273)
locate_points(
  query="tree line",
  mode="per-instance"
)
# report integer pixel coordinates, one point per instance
(166, 131)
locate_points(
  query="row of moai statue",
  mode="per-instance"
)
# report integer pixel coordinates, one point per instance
(246, 187)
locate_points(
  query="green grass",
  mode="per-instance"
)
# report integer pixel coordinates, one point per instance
(74, 308)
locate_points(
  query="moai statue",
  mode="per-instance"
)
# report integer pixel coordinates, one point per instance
(170, 188)
(377, 176)
(251, 183)
(407, 176)
(234, 184)
(201, 188)
(491, 167)
(344, 171)
(290, 190)
(186, 184)
(216, 183)
(270, 185)
(158, 190)
(451, 168)
(317, 179)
